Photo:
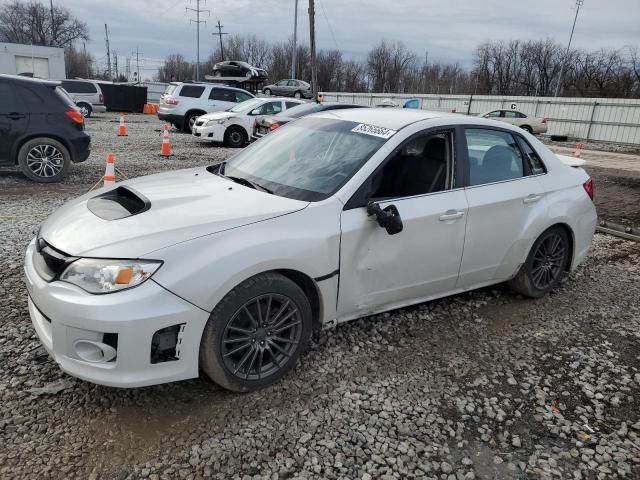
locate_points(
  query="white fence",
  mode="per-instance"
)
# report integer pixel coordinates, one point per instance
(605, 119)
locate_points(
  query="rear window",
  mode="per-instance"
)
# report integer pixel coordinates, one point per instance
(170, 89)
(64, 96)
(191, 91)
(73, 86)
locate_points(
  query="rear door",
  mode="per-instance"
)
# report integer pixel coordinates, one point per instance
(14, 120)
(221, 99)
(507, 208)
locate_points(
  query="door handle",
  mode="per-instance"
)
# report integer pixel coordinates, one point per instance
(15, 116)
(451, 215)
(533, 198)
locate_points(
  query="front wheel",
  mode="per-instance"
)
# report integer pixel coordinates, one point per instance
(297, 95)
(267, 91)
(545, 265)
(44, 160)
(85, 109)
(256, 333)
(235, 137)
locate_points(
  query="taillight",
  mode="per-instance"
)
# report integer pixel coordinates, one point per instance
(588, 187)
(101, 98)
(75, 116)
(274, 126)
(171, 101)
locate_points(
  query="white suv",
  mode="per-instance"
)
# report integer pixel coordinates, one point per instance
(182, 103)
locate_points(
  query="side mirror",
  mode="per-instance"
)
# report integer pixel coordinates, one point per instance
(255, 112)
(388, 218)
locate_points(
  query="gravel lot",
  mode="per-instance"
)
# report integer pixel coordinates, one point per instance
(483, 385)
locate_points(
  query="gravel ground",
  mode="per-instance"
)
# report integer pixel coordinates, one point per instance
(483, 385)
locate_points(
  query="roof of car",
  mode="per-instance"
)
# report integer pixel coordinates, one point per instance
(20, 78)
(393, 118)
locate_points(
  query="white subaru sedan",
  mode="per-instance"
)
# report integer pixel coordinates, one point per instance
(229, 268)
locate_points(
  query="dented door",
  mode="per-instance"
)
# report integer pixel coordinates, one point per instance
(380, 271)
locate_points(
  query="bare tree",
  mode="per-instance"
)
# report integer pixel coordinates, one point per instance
(78, 63)
(33, 23)
(175, 69)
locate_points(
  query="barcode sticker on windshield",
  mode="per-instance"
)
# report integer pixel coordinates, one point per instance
(373, 130)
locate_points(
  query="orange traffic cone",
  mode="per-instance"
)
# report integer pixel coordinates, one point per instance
(122, 129)
(110, 171)
(578, 152)
(165, 151)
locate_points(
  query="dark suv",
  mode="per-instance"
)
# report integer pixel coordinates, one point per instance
(41, 129)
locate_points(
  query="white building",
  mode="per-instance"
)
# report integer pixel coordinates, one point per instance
(43, 62)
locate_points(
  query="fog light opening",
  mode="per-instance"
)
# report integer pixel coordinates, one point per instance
(94, 352)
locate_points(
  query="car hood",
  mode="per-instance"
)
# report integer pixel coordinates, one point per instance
(174, 207)
(218, 115)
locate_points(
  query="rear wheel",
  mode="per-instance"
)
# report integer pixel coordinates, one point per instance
(267, 91)
(85, 109)
(235, 137)
(44, 160)
(527, 128)
(545, 265)
(256, 333)
(297, 95)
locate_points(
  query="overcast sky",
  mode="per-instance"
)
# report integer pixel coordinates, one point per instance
(448, 29)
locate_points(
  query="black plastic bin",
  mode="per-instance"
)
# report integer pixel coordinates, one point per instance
(124, 98)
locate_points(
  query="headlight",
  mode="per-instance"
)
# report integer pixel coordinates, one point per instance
(211, 123)
(107, 276)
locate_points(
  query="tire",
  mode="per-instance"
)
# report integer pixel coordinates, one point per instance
(527, 128)
(85, 109)
(217, 73)
(235, 137)
(189, 120)
(267, 91)
(224, 354)
(298, 95)
(44, 160)
(529, 280)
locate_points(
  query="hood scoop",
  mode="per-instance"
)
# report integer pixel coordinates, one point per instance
(121, 202)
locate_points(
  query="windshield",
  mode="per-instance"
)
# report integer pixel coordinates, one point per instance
(301, 110)
(309, 159)
(246, 106)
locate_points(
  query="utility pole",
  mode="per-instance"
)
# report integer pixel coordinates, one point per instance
(53, 24)
(128, 68)
(312, 34)
(106, 36)
(137, 65)
(115, 64)
(294, 53)
(197, 21)
(579, 4)
(220, 33)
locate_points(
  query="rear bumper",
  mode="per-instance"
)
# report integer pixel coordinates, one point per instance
(64, 315)
(80, 148)
(99, 108)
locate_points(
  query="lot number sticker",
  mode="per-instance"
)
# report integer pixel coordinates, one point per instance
(374, 131)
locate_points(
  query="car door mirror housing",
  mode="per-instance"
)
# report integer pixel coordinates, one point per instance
(388, 217)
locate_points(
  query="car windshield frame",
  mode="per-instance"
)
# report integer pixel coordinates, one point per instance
(309, 160)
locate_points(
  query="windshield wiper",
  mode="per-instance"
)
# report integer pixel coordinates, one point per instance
(248, 183)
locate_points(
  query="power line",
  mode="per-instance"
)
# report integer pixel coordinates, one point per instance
(324, 13)
(197, 21)
(579, 4)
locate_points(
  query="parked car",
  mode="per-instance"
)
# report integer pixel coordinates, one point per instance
(87, 95)
(289, 88)
(228, 268)
(182, 103)
(235, 126)
(41, 129)
(238, 69)
(530, 124)
(266, 124)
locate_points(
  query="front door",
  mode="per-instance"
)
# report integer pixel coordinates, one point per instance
(379, 271)
(507, 208)
(14, 119)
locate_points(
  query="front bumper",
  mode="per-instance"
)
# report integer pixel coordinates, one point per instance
(63, 314)
(214, 133)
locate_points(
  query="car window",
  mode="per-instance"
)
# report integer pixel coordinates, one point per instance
(62, 95)
(422, 165)
(493, 155)
(191, 91)
(241, 96)
(10, 100)
(291, 104)
(531, 156)
(302, 110)
(512, 114)
(521, 115)
(282, 83)
(170, 89)
(73, 86)
(308, 159)
(271, 108)
(223, 94)
(495, 113)
(292, 83)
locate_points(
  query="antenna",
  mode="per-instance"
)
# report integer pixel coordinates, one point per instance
(197, 21)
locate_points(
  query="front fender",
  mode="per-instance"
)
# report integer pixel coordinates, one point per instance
(205, 269)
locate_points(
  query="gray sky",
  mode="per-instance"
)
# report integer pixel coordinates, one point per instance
(448, 29)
